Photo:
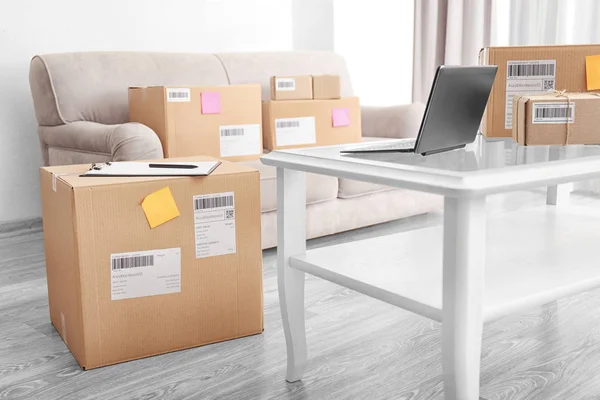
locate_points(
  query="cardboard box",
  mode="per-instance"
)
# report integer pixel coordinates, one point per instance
(291, 87)
(530, 70)
(326, 87)
(218, 121)
(307, 123)
(546, 119)
(108, 306)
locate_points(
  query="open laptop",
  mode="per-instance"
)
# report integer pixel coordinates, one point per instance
(454, 110)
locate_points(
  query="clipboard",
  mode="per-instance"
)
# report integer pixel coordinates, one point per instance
(155, 169)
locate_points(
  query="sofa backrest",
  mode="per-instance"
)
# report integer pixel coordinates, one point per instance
(92, 86)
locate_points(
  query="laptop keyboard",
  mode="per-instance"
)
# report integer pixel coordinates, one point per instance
(407, 144)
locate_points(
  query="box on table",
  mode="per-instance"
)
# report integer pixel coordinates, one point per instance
(530, 70)
(326, 87)
(307, 123)
(119, 290)
(291, 87)
(218, 121)
(546, 119)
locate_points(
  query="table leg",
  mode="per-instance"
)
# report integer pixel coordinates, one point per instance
(463, 285)
(291, 241)
(559, 194)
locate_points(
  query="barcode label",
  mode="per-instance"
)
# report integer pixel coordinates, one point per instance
(527, 77)
(225, 132)
(214, 224)
(531, 70)
(240, 140)
(287, 124)
(285, 84)
(145, 273)
(295, 131)
(178, 95)
(132, 262)
(202, 203)
(553, 113)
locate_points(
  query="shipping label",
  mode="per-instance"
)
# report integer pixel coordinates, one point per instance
(214, 224)
(294, 131)
(553, 113)
(285, 84)
(178, 95)
(240, 140)
(145, 273)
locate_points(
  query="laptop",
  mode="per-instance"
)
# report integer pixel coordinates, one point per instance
(453, 114)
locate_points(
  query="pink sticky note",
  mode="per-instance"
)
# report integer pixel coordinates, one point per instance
(211, 102)
(340, 117)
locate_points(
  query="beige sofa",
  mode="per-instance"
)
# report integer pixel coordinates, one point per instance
(81, 105)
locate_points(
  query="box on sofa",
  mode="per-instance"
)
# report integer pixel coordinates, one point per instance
(218, 121)
(304, 123)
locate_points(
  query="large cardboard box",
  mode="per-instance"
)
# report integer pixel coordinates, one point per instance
(530, 70)
(291, 87)
(547, 120)
(119, 290)
(326, 87)
(218, 121)
(305, 123)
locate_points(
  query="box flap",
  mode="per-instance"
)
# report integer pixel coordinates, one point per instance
(70, 173)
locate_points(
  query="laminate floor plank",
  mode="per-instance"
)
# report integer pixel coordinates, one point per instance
(359, 348)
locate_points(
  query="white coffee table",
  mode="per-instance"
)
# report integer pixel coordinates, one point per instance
(528, 257)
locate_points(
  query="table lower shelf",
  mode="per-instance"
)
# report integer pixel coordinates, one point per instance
(533, 256)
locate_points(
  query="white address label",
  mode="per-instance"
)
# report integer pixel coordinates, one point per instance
(214, 224)
(285, 84)
(240, 140)
(553, 113)
(178, 95)
(294, 131)
(145, 273)
(527, 77)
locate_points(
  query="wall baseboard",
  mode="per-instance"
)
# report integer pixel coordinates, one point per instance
(21, 227)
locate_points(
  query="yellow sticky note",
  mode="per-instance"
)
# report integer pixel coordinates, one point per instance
(592, 72)
(160, 207)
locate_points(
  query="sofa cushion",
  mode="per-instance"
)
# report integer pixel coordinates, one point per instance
(349, 188)
(318, 187)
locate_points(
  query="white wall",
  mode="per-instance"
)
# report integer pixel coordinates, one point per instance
(29, 27)
(376, 39)
(313, 25)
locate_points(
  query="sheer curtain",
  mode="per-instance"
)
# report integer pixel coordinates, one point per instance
(447, 32)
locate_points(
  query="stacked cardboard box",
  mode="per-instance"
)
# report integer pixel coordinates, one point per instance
(120, 290)
(218, 121)
(532, 70)
(308, 111)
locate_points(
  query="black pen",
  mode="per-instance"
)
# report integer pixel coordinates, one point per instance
(175, 166)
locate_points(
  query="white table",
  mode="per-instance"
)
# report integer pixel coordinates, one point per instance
(529, 257)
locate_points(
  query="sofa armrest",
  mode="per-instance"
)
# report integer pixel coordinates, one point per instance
(122, 142)
(392, 122)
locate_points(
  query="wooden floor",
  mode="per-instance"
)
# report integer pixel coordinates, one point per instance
(359, 348)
